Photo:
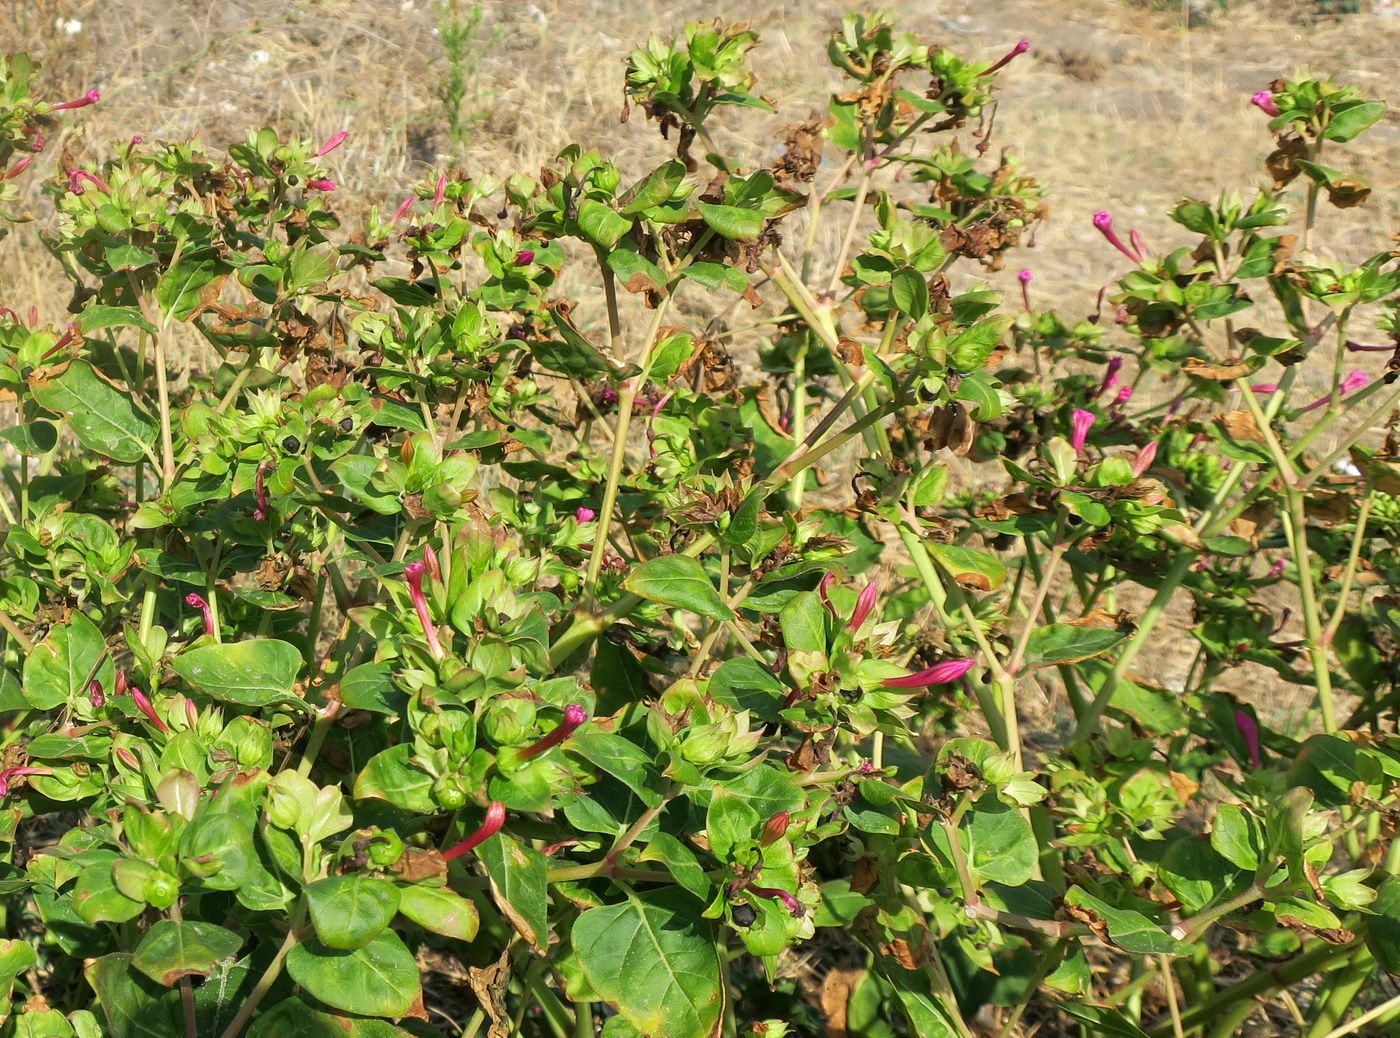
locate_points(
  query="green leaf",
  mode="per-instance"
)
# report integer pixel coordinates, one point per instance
(520, 885)
(1383, 928)
(635, 271)
(350, 911)
(657, 187)
(600, 224)
(172, 950)
(980, 570)
(717, 275)
(1352, 119)
(380, 979)
(96, 318)
(1065, 643)
(1001, 846)
(621, 758)
(729, 221)
(803, 623)
(134, 1006)
(1102, 1021)
(1129, 930)
(179, 289)
(369, 687)
(440, 910)
(910, 292)
(15, 958)
(293, 1017)
(1238, 837)
(981, 392)
(680, 581)
(223, 993)
(32, 438)
(682, 863)
(61, 666)
(391, 776)
(1195, 872)
(102, 417)
(255, 672)
(653, 959)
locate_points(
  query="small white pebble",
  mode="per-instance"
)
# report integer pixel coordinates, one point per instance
(1346, 467)
(259, 57)
(536, 15)
(72, 26)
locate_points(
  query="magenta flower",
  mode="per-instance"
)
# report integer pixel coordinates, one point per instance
(413, 574)
(144, 705)
(1110, 376)
(791, 903)
(1138, 246)
(822, 589)
(1249, 730)
(14, 773)
(1124, 395)
(321, 185)
(1103, 220)
(96, 695)
(574, 715)
(70, 334)
(495, 818)
(18, 168)
(334, 141)
(939, 674)
(775, 828)
(1277, 568)
(90, 98)
(1145, 458)
(1081, 422)
(1025, 277)
(440, 191)
(1351, 383)
(1265, 102)
(127, 757)
(78, 177)
(524, 257)
(584, 514)
(405, 207)
(191, 713)
(866, 602)
(1264, 388)
(1021, 47)
(262, 509)
(194, 599)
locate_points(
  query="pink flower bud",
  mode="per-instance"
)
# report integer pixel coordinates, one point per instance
(864, 604)
(144, 705)
(775, 828)
(121, 685)
(96, 695)
(524, 257)
(405, 207)
(1145, 458)
(1103, 220)
(1277, 568)
(574, 715)
(194, 599)
(1265, 102)
(1354, 380)
(191, 713)
(430, 559)
(70, 335)
(1110, 376)
(584, 514)
(18, 168)
(90, 98)
(321, 185)
(1138, 246)
(1249, 730)
(334, 141)
(127, 757)
(260, 513)
(1025, 277)
(791, 903)
(939, 674)
(1021, 47)
(1081, 422)
(440, 192)
(1124, 395)
(822, 588)
(495, 818)
(413, 574)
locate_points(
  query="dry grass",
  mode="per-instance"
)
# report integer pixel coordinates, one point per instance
(1117, 107)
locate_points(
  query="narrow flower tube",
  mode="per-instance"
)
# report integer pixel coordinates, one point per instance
(822, 589)
(584, 514)
(939, 674)
(1103, 220)
(70, 334)
(1351, 383)
(321, 185)
(791, 903)
(261, 511)
(1249, 731)
(1370, 347)
(1081, 422)
(1025, 277)
(1124, 395)
(1265, 102)
(864, 604)
(198, 602)
(13, 773)
(78, 177)
(144, 705)
(405, 207)
(495, 818)
(574, 715)
(90, 98)
(1139, 246)
(1145, 458)
(1015, 52)
(96, 695)
(413, 573)
(440, 191)
(18, 168)
(334, 141)
(1110, 376)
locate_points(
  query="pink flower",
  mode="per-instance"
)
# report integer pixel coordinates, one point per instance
(121, 685)
(194, 599)
(413, 574)
(144, 705)
(1138, 246)
(405, 207)
(1249, 729)
(1265, 102)
(1021, 47)
(262, 509)
(938, 674)
(524, 257)
(822, 589)
(1351, 383)
(191, 713)
(864, 604)
(14, 773)
(440, 192)
(574, 715)
(96, 695)
(70, 334)
(791, 903)
(1110, 376)
(1025, 278)
(1103, 220)
(1264, 388)
(77, 177)
(90, 98)
(584, 514)
(1081, 422)
(1145, 458)
(1277, 568)
(334, 141)
(321, 185)
(18, 168)
(1124, 395)
(495, 818)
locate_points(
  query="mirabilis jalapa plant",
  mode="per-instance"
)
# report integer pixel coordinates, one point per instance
(634, 673)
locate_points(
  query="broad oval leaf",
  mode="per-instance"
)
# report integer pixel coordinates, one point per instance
(440, 910)
(294, 1017)
(678, 580)
(380, 979)
(65, 662)
(102, 417)
(250, 673)
(172, 950)
(1066, 643)
(350, 911)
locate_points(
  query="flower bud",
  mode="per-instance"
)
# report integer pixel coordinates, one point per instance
(775, 828)
(495, 818)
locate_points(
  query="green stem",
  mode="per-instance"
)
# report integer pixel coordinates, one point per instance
(1339, 991)
(269, 977)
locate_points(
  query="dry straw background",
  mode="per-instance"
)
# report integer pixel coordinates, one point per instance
(1117, 106)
